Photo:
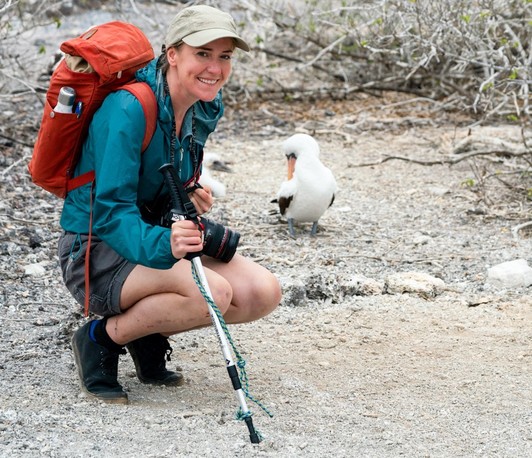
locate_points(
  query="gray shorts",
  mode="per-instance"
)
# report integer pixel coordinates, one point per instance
(108, 272)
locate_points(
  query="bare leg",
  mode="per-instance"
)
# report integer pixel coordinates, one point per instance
(169, 301)
(164, 301)
(256, 291)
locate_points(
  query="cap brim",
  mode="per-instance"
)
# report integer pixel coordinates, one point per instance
(203, 37)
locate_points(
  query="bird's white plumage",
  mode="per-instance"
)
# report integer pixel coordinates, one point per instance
(312, 187)
(213, 161)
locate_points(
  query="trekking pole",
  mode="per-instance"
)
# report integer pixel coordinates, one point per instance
(183, 208)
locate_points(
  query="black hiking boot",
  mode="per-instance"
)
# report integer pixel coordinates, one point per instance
(150, 354)
(97, 368)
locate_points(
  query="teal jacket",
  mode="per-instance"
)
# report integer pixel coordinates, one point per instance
(126, 179)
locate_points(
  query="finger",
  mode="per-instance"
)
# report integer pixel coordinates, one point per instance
(207, 190)
(190, 236)
(182, 245)
(201, 205)
(204, 194)
(184, 224)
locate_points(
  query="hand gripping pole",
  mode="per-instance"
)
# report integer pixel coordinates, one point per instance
(183, 208)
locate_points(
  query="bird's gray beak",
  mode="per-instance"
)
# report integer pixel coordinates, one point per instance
(221, 166)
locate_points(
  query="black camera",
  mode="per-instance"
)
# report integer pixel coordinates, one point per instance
(219, 242)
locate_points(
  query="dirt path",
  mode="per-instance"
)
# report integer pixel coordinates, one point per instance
(349, 365)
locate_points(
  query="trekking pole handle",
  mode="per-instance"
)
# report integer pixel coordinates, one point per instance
(182, 206)
(181, 203)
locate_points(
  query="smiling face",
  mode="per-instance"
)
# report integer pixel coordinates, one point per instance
(199, 73)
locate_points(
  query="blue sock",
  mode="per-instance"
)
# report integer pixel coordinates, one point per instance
(98, 334)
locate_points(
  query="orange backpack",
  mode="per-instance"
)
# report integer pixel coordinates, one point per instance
(102, 60)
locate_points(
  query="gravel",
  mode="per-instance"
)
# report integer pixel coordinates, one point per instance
(350, 364)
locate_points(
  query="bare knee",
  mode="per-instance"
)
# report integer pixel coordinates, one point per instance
(222, 293)
(269, 294)
(264, 295)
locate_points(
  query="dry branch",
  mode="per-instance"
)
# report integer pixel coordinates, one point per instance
(520, 227)
(493, 144)
(450, 160)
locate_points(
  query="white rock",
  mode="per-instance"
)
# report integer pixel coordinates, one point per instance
(421, 239)
(438, 190)
(363, 286)
(413, 282)
(34, 270)
(344, 209)
(511, 274)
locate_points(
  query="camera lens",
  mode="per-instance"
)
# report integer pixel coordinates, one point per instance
(220, 242)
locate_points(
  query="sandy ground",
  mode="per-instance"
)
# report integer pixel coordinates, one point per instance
(442, 371)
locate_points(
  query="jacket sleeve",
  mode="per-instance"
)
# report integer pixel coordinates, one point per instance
(116, 134)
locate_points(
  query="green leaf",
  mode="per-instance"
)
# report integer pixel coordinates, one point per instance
(469, 183)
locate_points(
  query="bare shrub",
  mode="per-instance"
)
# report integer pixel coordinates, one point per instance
(446, 56)
(475, 53)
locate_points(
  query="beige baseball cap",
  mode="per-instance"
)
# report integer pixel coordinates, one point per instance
(201, 24)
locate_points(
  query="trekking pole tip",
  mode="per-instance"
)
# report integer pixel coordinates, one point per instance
(253, 435)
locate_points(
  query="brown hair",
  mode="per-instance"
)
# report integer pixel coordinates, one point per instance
(162, 63)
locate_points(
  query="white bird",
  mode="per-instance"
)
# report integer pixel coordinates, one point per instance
(310, 187)
(213, 161)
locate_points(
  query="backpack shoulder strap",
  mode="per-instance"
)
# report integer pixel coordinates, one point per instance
(146, 97)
